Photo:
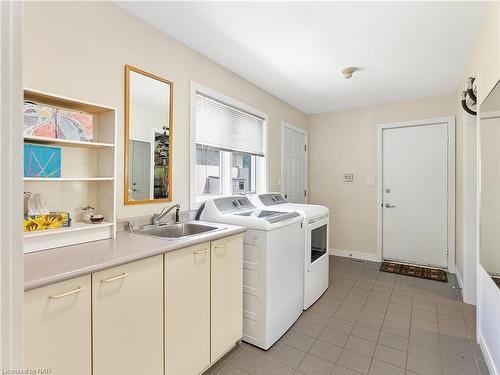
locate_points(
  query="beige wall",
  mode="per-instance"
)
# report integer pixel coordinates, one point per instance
(79, 50)
(345, 142)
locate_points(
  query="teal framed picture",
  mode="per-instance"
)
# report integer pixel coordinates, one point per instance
(42, 161)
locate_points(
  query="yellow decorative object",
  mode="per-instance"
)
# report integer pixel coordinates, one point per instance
(52, 220)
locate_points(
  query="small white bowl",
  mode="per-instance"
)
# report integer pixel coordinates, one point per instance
(96, 219)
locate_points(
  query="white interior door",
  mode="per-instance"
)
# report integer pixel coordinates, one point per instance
(415, 194)
(294, 165)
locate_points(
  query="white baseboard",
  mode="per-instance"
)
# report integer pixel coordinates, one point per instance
(487, 356)
(372, 257)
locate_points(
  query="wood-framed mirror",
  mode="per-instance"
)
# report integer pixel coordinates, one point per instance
(148, 137)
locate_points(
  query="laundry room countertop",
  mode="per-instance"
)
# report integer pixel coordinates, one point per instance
(50, 266)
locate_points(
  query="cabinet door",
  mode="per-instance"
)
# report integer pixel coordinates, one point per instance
(187, 310)
(127, 312)
(226, 294)
(57, 327)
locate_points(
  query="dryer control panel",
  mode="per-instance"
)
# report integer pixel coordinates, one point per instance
(272, 199)
(233, 204)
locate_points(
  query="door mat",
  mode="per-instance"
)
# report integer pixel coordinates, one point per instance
(415, 271)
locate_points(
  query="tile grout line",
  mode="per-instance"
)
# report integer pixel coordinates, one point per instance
(329, 286)
(350, 333)
(409, 332)
(383, 320)
(326, 326)
(337, 308)
(349, 278)
(356, 322)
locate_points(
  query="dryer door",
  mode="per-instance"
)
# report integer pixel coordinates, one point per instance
(317, 241)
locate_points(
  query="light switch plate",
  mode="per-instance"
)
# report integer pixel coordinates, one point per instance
(348, 177)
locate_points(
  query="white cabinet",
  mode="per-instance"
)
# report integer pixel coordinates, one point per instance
(203, 304)
(226, 294)
(173, 314)
(187, 310)
(127, 318)
(57, 327)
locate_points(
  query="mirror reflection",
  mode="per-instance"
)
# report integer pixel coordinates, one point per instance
(490, 184)
(148, 125)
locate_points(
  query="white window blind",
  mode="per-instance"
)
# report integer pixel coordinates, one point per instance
(227, 128)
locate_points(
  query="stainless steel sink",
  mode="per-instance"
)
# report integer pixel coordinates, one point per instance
(177, 230)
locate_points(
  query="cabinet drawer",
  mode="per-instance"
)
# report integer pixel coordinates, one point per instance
(127, 312)
(57, 327)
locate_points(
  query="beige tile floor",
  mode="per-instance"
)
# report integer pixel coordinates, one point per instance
(375, 323)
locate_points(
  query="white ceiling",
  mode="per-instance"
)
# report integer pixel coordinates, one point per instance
(296, 50)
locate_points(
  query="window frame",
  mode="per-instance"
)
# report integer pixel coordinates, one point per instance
(261, 163)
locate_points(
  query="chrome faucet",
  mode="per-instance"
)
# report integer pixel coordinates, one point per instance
(157, 217)
(130, 226)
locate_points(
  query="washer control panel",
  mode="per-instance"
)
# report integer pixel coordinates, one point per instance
(272, 199)
(232, 204)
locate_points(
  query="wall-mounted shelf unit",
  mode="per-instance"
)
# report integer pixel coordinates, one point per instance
(59, 179)
(88, 177)
(65, 142)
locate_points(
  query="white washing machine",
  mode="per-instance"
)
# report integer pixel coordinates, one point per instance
(272, 266)
(315, 248)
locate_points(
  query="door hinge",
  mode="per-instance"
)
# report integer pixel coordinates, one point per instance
(305, 147)
(305, 193)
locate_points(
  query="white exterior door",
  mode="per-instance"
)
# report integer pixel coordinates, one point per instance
(415, 194)
(294, 165)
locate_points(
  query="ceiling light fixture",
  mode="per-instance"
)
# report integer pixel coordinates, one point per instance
(347, 72)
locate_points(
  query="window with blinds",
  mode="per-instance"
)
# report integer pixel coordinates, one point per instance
(230, 149)
(223, 127)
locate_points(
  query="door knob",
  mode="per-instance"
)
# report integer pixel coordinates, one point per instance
(388, 205)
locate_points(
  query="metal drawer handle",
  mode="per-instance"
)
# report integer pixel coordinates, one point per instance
(125, 274)
(200, 252)
(56, 296)
(221, 246)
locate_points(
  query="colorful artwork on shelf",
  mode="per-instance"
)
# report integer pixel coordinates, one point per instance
(52, 220)
(42, 161)
(39, 120)
(73, 125)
